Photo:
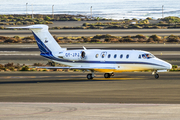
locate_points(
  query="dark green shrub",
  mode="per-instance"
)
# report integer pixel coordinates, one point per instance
(9, 65)
(25, 68)
(37, 64)
(174, 66)
(85, 24)
(140, 36)
(11, 40)
(95, 40)
(47, 18)
(172, 19)
(134, 19)
(87, 39)
(11, 68)
(148, 18)
(1, 66)
(173, 38)
(155, 38)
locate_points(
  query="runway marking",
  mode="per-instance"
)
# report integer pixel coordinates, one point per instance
(22, 77)
(117, 78)
(79, 77)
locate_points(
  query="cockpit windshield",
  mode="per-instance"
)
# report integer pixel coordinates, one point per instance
(147, 56)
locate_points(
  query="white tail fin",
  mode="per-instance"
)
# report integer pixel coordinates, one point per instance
(45, 41)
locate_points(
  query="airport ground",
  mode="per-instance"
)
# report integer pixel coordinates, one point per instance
(64, 95)
(61, 95)
(73, 87)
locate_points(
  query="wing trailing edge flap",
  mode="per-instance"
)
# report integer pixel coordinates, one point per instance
(80, 68)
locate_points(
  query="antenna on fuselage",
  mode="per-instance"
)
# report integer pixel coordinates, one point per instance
(84, 48)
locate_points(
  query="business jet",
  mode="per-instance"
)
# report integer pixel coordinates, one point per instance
(95, 60)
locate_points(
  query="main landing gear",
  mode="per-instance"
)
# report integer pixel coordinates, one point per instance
(90, 76)
(108, 75)
(156, 75)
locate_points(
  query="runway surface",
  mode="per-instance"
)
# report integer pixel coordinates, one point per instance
(70, 96)
(93, 32)
(74, 87)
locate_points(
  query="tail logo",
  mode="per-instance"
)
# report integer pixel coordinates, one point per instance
(46, 41)
(41, 45)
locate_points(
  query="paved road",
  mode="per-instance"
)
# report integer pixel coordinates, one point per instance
(115, 32)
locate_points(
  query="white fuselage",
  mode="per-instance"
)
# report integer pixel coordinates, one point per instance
(122, 60)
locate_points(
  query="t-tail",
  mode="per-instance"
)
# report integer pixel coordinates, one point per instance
(45, 41)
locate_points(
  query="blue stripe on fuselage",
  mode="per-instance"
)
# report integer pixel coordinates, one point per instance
(50, 56)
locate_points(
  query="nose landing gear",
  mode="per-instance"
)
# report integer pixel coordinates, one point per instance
(156, 75)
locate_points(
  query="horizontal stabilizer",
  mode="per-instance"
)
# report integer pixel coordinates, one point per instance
(29, 27)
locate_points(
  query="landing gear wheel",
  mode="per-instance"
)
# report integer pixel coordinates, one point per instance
(156, 76)
(89, 76)
(107, 75)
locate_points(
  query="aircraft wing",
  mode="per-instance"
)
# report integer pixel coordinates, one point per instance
(80, 68)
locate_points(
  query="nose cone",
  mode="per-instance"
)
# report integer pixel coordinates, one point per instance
(168, 66)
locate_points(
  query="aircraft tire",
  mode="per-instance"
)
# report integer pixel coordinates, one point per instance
(89, 76)
(156, 76)
(107, 75)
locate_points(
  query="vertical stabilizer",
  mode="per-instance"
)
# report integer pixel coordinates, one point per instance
(45, 41)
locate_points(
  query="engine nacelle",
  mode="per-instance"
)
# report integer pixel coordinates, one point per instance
(73, 56)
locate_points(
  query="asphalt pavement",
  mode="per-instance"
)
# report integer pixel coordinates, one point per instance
(73, 87)
(93, 32)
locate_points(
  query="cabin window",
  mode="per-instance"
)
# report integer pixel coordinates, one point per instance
(109, 55)
(139, 56)
(103, 55)
(127, 56)
(97, 55)
(121, 56)
(115, 55)
(147, 56)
